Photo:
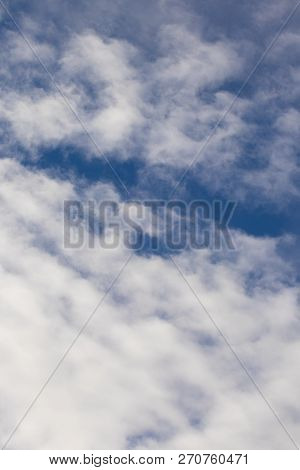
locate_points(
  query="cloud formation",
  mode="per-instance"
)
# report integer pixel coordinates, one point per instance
(159, 108)
(150, 371)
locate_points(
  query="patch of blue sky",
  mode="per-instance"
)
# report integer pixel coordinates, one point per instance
(258, 219)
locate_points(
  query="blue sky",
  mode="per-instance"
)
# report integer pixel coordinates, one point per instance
(261, 214)
(148, 81)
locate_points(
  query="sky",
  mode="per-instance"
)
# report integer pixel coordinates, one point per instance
(190, 100)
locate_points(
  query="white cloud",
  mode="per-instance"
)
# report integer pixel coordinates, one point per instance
(187, 71)
(96, 78)
(38, 119)
(193, 62)
(150, 371)
(123, 99)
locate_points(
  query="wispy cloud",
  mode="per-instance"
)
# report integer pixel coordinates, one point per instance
(150, 343)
